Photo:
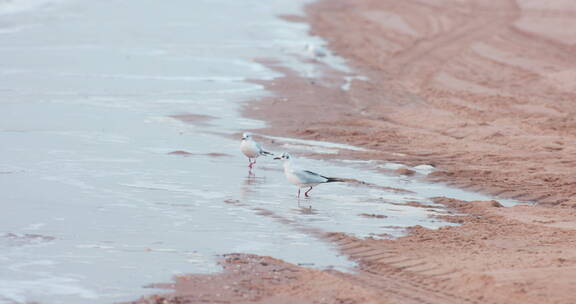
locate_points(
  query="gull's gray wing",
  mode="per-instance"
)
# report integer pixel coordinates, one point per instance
(314, 173)
(259, 147)
(309, 177)
(261, 151)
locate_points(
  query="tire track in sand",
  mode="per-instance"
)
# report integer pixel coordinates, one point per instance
(419, 63)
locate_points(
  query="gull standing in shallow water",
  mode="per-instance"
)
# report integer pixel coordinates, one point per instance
(303, 178)
(251, 149)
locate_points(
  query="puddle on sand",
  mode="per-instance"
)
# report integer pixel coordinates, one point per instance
(108, 192)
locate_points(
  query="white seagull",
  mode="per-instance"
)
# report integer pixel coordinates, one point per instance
(251, 149)
(303, 178)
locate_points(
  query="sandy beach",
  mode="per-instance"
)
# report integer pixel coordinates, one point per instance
(483, 91)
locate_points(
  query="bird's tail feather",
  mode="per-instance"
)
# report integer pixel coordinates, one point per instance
(335, 179)
(266, 153)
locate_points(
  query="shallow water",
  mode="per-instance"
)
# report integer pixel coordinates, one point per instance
(96, 205)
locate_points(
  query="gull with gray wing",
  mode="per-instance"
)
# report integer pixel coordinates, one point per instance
(251, 149)
(303, 178)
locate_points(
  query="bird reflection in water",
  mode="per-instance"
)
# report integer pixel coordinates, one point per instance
(249, 183)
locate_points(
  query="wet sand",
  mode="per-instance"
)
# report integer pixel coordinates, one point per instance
(484, 91)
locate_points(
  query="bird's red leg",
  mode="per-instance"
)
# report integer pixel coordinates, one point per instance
(306, 193)
(250, 163)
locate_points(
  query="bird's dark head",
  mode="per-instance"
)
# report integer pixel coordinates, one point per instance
(284, 156)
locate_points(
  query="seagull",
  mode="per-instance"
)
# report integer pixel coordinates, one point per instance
(314, 51)
(251, 149)
(303, 178)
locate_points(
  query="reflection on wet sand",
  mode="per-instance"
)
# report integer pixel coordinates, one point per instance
(305, 208)
(250, 183)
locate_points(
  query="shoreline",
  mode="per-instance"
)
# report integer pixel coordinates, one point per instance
(492, 115)
(498, 150)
